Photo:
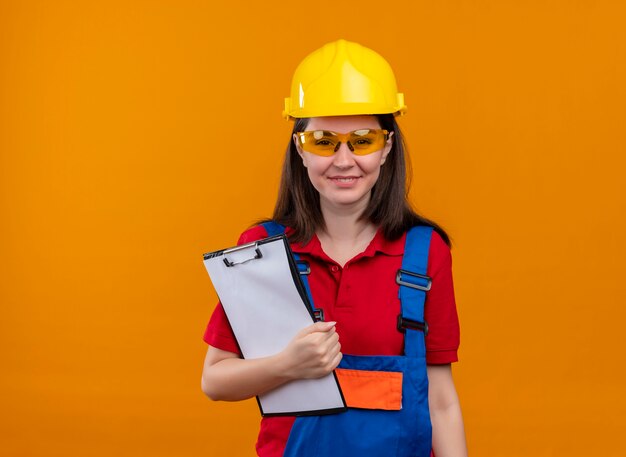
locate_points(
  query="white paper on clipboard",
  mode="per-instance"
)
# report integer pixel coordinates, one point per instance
(265, 309)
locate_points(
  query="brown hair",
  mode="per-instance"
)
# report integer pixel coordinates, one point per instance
(298, 202)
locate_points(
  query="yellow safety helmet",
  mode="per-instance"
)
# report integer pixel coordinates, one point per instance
(343, 78)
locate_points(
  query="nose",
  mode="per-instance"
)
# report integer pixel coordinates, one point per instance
(343, 157)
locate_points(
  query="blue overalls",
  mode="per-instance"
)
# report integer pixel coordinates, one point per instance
(375, 432)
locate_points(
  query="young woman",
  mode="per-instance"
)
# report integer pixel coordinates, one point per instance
(343, 202)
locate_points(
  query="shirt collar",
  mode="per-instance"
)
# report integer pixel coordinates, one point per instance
(379, 244)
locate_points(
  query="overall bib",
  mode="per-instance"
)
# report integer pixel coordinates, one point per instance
(387, 396)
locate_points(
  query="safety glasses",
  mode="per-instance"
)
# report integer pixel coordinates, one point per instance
(325, 143)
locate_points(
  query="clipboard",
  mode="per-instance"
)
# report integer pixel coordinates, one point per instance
(266, 304)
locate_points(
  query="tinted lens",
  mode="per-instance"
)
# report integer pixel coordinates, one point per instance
(366, 141)
(320, 142)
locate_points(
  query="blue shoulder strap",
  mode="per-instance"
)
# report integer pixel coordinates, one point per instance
(411, 278)
(274, 228)
(412, 291)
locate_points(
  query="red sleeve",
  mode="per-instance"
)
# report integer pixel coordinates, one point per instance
(442, 341)
(218, 333)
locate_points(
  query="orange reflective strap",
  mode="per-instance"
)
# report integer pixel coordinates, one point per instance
(371, 389)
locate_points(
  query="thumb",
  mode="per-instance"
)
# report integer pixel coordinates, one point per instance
(318, 327)
(324, 326)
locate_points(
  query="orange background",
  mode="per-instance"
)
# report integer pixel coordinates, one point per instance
(135, 136)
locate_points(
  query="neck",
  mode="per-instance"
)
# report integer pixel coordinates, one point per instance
(344, 223)
(345, 234)
(346, 227)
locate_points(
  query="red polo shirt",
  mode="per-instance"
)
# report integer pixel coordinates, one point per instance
(362, 297)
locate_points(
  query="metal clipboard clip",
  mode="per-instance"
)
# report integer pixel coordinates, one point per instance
(257, 254)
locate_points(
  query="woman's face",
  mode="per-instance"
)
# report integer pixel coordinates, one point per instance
(344, 180)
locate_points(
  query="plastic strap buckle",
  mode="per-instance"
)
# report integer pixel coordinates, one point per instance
(303, 267)
(412, 276)
(410, 324)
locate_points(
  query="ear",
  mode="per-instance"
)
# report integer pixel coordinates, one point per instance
(299, 149)
(387, 148)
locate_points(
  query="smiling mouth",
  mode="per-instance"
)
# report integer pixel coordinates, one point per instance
(346, 179)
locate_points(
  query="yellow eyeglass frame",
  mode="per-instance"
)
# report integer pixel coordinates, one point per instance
(325, 142)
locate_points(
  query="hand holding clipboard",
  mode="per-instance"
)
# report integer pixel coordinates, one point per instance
(266, 304)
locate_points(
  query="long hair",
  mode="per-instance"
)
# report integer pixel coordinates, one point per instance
(298, 202)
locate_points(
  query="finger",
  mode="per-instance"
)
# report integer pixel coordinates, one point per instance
(332, 337)
(336, 360)
(337, 347)
(331, 348)
(325, 326)
(313, 328)
(318, 327)
(326, 340)
(332, 353)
